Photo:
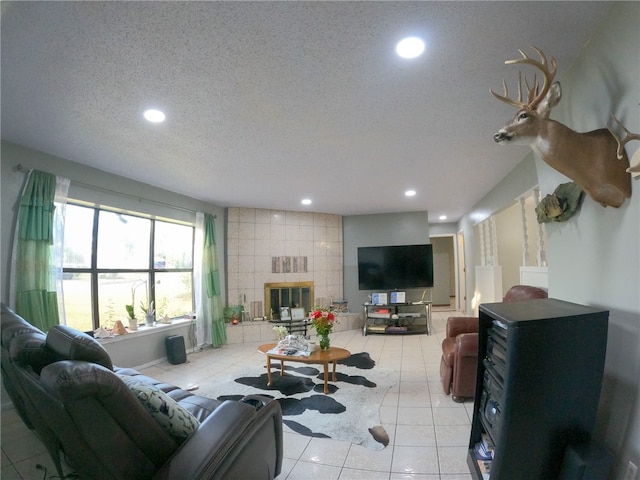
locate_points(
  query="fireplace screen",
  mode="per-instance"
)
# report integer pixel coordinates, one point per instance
(289, 294)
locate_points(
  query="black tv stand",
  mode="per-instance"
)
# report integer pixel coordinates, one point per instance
(397, 318)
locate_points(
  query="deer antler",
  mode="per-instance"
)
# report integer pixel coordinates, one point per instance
(628, 137)
(535, 94)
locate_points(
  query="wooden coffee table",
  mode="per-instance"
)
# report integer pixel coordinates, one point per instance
(324, 357)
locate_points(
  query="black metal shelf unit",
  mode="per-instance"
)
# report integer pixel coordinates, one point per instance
(399, 318)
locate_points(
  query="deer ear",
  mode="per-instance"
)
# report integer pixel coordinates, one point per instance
(550, 100)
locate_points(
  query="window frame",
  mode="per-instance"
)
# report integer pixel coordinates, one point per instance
(150, 273)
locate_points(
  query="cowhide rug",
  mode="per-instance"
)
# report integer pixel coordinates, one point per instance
(350, 412)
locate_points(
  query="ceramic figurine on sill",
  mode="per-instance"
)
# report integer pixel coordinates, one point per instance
(118, 328)
(101, 332)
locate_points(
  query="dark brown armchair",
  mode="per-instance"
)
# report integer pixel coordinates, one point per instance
(460, 347)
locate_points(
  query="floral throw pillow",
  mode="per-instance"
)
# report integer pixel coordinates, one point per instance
(169, 414)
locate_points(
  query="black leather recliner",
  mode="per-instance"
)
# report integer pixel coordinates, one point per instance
(66, 389)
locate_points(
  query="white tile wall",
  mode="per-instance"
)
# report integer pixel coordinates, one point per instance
(255, 235)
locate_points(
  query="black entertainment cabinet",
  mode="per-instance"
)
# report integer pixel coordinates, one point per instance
(538, 385)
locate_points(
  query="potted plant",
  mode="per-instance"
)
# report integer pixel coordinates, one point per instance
(133, 321)
(148, 313)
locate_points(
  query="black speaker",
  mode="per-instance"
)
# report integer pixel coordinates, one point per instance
(176, 352)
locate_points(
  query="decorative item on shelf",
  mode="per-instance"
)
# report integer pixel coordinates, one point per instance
(281, 331)
(133, 324)
(561, 205)
(340, 306)
(232, 314)
(102, 332)
(165, 320)
(133, 321)
(323, 322)
(285, 314)
(257, 312)
(118, 328)
(148, 313)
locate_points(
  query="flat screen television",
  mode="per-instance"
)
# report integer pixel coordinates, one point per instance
(395, 267)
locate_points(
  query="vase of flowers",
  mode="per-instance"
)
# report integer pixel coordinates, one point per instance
(323, 323)
(325, 342)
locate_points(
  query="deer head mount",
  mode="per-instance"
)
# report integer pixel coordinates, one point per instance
(589, 159)
(628, 136)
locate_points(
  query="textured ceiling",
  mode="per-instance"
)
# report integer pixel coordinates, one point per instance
(270, 102)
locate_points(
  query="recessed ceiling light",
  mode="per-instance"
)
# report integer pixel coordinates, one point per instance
(306, 201)
(442, 217)
(410, 193)
(410, 47)
(155, 116)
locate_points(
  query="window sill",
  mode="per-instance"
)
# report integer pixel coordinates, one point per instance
(144, 331)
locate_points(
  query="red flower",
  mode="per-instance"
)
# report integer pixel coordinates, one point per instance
(322, 321)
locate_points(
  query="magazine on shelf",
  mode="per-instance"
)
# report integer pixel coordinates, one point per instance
(487, 442)
(482, 453)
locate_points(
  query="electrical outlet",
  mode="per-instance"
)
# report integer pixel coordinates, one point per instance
(632, 470)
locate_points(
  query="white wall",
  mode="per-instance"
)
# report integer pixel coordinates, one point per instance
(594, 258)
(509, 233)
(520, 179)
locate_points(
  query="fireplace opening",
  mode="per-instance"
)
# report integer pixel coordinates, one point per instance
(287, 294)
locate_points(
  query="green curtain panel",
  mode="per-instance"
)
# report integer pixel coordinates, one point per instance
(211, 279)
(35, 279)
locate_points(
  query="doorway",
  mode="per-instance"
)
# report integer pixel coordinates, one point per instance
(448, 293)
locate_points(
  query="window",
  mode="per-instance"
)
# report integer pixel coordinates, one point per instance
(114, 259)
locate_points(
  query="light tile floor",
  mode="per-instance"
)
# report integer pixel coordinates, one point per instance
(429, 433)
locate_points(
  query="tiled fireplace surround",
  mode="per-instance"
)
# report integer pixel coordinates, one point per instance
(255, 236)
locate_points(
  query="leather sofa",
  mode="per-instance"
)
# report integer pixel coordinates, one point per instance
(459, 362)
(66, 389)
